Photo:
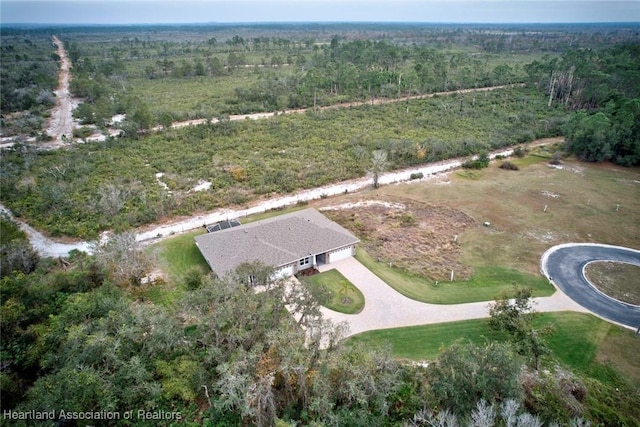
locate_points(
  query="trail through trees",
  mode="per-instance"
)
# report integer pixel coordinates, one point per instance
(61, 123)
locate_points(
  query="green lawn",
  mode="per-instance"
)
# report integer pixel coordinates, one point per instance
(175, 256)
(575, 342)
(529, 160)
(425, 342)
(485, 284)
(345, 297)
(179, 254)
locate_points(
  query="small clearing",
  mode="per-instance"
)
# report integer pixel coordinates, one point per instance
(416, 237)
(202, 186)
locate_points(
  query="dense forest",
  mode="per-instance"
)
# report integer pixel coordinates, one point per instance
(84, 334)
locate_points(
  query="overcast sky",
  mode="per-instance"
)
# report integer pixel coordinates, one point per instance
(200, 11)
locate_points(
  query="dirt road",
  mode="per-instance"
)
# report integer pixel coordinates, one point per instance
(61, 122)
(373, 101)
(152, 232)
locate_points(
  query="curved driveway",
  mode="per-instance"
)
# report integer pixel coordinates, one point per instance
(386, 308)
(564, 266)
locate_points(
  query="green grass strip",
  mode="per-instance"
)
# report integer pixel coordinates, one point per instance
(179, 254)
(485, 284)
(574, 342)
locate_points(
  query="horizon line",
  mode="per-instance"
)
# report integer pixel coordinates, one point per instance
(115, 24)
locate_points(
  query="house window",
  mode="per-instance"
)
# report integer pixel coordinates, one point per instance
(304, 262)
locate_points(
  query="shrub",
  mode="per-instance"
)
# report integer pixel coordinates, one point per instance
(239, 174)
(82, 132)
(509, 166)
(556, 159)
(519, 152)
(556, 396)
(193, 278)
(479, 163)
(416, 175)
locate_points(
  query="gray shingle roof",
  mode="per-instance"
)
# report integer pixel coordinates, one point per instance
(276, 241)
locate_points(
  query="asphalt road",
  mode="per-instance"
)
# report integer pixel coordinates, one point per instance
(564, 266)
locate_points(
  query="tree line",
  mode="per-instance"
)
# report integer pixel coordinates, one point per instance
(602, 87)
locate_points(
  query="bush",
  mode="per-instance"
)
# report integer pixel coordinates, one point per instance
(509, 166)
(82, 132)
(556, 396)
(519, 152)
(480, 163)
(465, 373)
(193, 278)
(555, 159)
(416, 175)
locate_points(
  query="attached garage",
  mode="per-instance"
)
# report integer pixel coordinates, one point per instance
(339, 254)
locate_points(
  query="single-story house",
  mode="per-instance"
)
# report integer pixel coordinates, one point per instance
(289, 243)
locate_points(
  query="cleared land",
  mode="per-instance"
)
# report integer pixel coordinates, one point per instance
(413, 226)
(409, 231)
(618, 280)
(580, 201)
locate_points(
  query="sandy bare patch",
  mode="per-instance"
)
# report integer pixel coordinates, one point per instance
(201, 186)
(364, 204)
(550, 194)
(161, 183)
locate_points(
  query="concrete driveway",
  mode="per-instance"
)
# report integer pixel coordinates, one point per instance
(385, 308)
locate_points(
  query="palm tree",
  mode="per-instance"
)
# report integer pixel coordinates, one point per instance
(379, 163)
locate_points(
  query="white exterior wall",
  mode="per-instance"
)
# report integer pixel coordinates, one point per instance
(284, 272)
(339, 254)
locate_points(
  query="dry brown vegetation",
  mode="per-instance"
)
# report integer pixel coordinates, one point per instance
(417, 237)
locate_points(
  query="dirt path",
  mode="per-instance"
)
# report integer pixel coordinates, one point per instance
(373, 101)
(61, 122)
(153, 232)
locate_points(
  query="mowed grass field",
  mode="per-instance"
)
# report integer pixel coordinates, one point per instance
(579, 341)
(485, 284)
(584, 202)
